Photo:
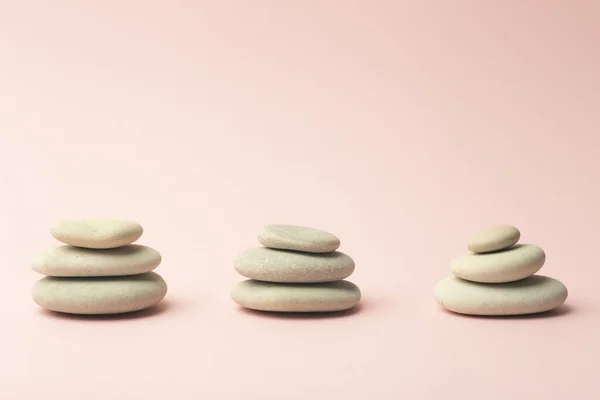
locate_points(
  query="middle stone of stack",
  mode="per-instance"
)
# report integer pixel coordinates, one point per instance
(298, 270)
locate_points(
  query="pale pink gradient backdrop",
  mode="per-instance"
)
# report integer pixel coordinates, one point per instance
(402, 127)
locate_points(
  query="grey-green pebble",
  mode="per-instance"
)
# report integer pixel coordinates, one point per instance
(97, 233)
(272, 265)
(313, 297)
(527, 296)
(100, 295)
(298, 238)
(71, 261)
(509, 265)
(494, 238)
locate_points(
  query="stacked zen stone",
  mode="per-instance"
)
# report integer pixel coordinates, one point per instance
(297, 270)
(98, 270)
(499, 277)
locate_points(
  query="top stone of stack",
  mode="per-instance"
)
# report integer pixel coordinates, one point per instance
(495, 238)
(97, 233)
(298, 238)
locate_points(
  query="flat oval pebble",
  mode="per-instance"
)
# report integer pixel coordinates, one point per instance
(105, 295)
(299, 238)
(528, 296)
(312, 297)
(286, 266)
(516, 263)
(97, 233)
(494, 239)
(71, 261)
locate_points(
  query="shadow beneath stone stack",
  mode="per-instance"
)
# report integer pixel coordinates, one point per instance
(161, 308)
(557, 312)
(304, 315)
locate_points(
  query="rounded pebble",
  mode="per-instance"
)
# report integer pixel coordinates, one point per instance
(516, 263)
(313, 297)
(494, 239)
(105, 295)
(71, 261)
(286, 266)
(97, 233)
(299, 238)
(528, 296)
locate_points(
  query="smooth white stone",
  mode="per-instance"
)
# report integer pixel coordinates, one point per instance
(71, 261)
(273, 265)
(528, 296)
(312, 297)
(97, 233)
(509, 265)
(494, 239)
(299, 238)
(100, 295)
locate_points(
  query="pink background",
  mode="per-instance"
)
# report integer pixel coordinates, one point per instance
(402, 127)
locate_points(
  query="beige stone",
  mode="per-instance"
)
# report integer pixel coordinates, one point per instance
(527, 296)
(313, 297)
(515, 263)
(71, 261)
(494, 239)
(100, 295)
(97, 233)
(274, 265)
(299, 238)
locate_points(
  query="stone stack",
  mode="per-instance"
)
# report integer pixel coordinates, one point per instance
(499, 277)
(98, 270)
(298, 269)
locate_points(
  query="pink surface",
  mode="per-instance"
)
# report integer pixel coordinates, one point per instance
(402, 127)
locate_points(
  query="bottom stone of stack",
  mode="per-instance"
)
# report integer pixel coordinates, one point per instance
(100, 295)
(531, 295)
(296, 297)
